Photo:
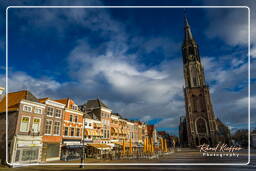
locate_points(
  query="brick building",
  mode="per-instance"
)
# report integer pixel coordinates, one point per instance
(72, 130)
(103, 113)
(52, 129)
(25, 118)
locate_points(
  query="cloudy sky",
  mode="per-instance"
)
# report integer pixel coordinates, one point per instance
(130, 58)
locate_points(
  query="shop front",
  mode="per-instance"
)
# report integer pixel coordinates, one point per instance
(51, 151)
(71, 150)
(27, 149)
(98, 151)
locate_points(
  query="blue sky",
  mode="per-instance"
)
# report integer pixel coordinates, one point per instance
(130, 58)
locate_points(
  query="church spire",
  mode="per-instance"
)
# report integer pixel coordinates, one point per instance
(188, 33)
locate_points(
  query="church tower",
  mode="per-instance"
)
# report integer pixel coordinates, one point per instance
(200, 120)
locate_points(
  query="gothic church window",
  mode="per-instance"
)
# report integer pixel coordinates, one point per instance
(194, 76)
(201, 126)
(194, 103)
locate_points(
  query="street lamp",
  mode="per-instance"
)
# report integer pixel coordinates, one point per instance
(83, 149)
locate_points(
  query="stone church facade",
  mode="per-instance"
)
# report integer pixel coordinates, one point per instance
(199, 126)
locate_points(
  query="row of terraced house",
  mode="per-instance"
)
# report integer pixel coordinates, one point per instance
(43, 130)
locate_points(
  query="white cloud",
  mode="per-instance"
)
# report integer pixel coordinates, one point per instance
(253, 51)
(243, 102)
(38, 86)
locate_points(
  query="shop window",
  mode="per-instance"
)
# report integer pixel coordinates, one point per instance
(24, 126)
(30, 154)
(17, 157)
(53, 150)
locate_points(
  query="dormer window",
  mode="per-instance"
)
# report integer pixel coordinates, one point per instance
(74, 107)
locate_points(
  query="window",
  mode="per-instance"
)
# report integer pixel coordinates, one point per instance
(78, 132)
(27, 108)
(36, 125)
(24, 125)
(48, 126)
(90, 124)
(201, 126)
(56, 129)
(30, 154)
(52, 150)
(74, 107)
(57, 113)
(76, 118)
(66, 131)
(49, 111)
(194, 76)
(194, 103)
(72, 132)
(38, 110)
(85, 123)
(71, 118)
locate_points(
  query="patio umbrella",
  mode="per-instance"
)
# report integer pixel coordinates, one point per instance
(130, 146)
(165, 145)
(148, 145)
(162, 144)
(123, 147)
(152, 146)
(145, 145)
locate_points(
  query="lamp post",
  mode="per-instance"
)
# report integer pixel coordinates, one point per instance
(83, 149)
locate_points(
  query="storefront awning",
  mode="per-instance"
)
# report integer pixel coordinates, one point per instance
(72, 146)
(115, 130)
(100, 146)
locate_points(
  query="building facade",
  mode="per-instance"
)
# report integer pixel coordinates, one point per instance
(52, 129)
(25, 118)
(103, 112)
(72, 130)
(200, 120)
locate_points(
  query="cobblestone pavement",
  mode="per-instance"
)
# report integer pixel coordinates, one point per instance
(177, 157)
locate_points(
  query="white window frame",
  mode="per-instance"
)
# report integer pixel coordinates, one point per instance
(39, 125)
(38, 109)
(74, 134)
(24, 106)
(29, 118)
(76, 118)
(54, 128)
(50, 129)
(70, 117)
(64, 131)
(47, 111)
(56, 109)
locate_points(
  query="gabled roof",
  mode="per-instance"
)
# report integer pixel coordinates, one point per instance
(96, 103)
(14, 99)
(63, 101)
(43, 100)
